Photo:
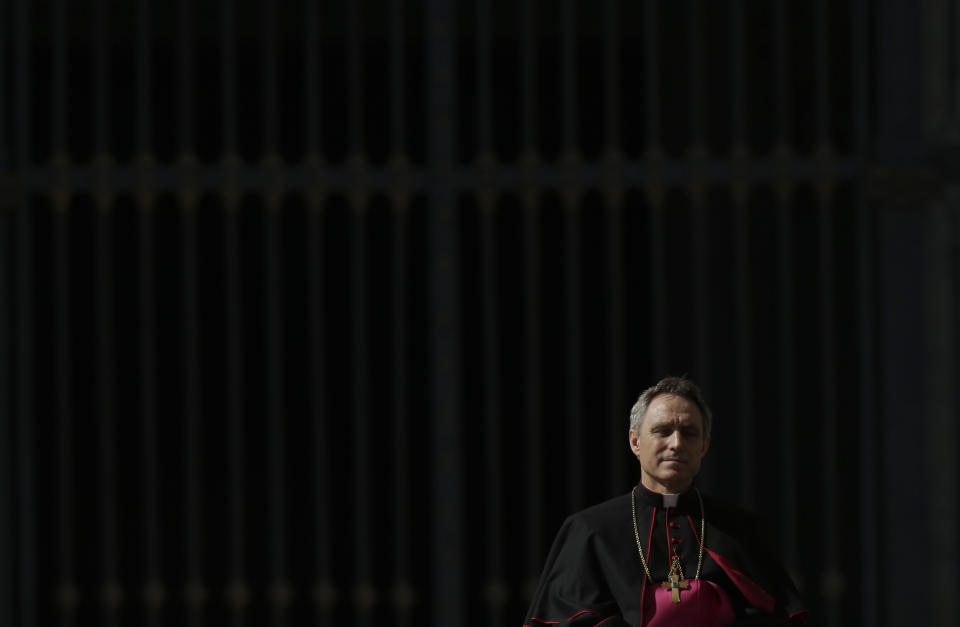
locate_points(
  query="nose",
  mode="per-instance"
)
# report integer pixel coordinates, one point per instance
(674, 440)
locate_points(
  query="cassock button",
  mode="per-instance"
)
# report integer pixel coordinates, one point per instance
(674, 525)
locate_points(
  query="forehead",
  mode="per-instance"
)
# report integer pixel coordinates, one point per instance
(670, 408)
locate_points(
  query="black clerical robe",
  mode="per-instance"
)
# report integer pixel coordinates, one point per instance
(593, 574)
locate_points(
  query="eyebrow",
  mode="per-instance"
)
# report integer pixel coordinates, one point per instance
(670, 422)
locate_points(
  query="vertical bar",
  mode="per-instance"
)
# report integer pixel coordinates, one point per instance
(144, 92)
(484, 116)
(866, 232)
(60, 100)
(860, 78)
(185, 61)
(27, 575)
(781, 34)
(237, 592)
(403, 590)
(534, 487)
(658, 287)
(528, 61)
(738, 71)
(312, 76)
(67, 592)
(228, 77)
(5, 157)
(194, 592)
(493, 514)
(361, 414)
(823, 74)
(616, 338)
(611, 55)
(106, 399)
(828, 390)
(787, 368)
(26, 565)
(64, 394)
(574, 337)
(8, 493)
(106, 359)
(22, 75)
(533, 379)
(744, 351)
(652, 89)
(355, 128)
(448, 566)
(398, 83)
(701, 296)
(941, 349)
(741, 245)
(900, 246)
(655, 191)
(699, 215)
(832, 584)
(614, 219)
(868, 472)
(8, 161)
(695, 20)
(325, 593)
(403, 593)
(101, 81)
(148, 411)
(268, 28)
(955, 14)
(897, 81)
(569, 63)
(152, 592)
(279, 588)
(898, 137)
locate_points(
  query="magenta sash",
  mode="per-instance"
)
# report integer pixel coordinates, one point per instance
(704, 604)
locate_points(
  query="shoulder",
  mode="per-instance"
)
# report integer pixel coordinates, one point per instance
(603, 517)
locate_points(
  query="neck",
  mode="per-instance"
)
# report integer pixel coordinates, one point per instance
(662, 488)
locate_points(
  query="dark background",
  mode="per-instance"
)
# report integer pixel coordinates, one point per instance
(329, 313)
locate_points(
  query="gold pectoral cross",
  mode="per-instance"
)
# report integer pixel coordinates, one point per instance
(675, 586)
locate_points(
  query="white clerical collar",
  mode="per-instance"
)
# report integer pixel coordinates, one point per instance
(670, 500)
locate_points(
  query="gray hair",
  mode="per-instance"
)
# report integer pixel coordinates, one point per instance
(678, 386)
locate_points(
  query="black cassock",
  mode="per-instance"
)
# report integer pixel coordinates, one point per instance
(593, 574)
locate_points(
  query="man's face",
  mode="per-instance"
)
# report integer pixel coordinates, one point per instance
(670, 445)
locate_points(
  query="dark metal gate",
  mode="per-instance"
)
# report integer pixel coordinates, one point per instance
(330, 312)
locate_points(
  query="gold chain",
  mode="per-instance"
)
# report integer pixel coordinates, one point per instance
(636, 535)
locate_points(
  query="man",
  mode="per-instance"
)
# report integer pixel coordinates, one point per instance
(665, 554)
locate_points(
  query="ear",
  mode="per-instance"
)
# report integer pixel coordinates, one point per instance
(633, 439)
(706, 445)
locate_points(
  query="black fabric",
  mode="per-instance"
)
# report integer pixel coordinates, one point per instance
(593, 571)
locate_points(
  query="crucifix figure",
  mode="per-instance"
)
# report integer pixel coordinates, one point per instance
(675, 586)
